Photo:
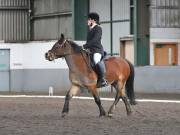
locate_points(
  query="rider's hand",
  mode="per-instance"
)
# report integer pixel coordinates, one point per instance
(82, 48)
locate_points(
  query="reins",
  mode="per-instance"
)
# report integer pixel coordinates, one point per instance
(88, 64)
(82, 54)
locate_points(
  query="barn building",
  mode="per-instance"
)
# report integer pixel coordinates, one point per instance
(147, 32)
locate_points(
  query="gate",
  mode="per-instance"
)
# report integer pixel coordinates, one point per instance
(4, 70)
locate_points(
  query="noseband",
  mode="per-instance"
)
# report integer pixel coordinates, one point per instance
(59, 46)
(64, 54)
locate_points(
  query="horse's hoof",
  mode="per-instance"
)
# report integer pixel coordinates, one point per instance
(133, 102)
(110, 115)
(63, 114)
(129, 113)
(102, 115)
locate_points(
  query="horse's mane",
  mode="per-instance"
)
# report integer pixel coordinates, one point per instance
(77, 48)
(73, 44)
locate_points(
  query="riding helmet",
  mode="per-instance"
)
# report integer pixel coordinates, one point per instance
(94, 16)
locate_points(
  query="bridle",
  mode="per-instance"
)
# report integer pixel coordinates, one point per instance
(66, 54)
(58, 46)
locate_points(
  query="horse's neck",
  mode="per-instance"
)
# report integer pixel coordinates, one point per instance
(76, 63)
(70, 62)
(79, 71)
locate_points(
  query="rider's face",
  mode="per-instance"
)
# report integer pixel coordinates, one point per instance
(90, 22)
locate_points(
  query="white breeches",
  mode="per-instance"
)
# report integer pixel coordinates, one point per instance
(97, 57)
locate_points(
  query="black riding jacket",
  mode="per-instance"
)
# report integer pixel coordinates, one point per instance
(94, 40)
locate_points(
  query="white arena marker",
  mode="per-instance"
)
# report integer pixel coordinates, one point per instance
(50, 91)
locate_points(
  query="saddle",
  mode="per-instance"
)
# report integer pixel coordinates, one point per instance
(91, 62)
(99, 69)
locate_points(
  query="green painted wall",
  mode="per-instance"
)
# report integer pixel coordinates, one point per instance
(141, 32)
(80, 11)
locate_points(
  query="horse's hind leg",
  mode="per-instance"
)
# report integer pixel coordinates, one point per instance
(98, 102)
(125, 100)
(119, 86)
(72, 92)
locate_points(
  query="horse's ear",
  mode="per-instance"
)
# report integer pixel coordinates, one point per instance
(62, 36)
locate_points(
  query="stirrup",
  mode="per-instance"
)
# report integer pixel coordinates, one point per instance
(101, 83)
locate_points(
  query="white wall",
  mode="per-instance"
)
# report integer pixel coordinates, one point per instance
(164, 33)
(129, 51)
(151, 53)
(31, 55)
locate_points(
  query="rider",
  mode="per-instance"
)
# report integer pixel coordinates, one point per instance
(93, 43)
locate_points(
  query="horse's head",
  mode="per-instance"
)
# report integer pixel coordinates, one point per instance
(60, 49)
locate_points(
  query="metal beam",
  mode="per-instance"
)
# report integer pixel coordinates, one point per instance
(13, 8)
(115, 21)
(80, 11)
(111, 27)
(48, 15)
(135, 31)
(141, 33)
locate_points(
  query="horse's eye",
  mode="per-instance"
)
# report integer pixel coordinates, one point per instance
(58, 46)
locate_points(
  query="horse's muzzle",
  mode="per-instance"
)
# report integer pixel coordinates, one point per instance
(49, 56)
(46, 56)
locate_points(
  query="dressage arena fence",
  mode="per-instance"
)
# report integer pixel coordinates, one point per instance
(86, 98)
(24, 74)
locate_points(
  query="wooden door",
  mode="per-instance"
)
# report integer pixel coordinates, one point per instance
(165, 54)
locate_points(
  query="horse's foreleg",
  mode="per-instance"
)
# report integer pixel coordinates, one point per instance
(110, 112)
(72, 92)
(98, 102)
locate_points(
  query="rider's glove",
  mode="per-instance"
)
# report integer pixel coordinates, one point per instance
(82, 48)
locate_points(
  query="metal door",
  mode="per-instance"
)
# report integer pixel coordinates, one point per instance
(4, 70)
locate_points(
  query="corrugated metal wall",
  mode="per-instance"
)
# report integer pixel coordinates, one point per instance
(165, 13)
(120, 21)
(14, 20)
(50, 18)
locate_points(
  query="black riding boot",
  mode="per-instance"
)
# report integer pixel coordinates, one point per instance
(100, 70)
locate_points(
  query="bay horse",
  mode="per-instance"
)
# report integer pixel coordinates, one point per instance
(119, 73)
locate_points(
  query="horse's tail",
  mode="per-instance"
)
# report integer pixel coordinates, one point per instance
(130, 85)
